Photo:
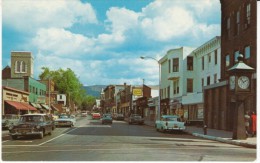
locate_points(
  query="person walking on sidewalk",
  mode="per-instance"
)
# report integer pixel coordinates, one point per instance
(247, 120)
(253, 119)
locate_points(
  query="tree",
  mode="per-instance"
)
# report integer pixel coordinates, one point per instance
(66, 82)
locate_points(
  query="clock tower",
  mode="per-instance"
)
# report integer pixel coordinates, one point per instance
(240, 89)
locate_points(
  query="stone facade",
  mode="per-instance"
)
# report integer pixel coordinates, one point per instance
(21, 64)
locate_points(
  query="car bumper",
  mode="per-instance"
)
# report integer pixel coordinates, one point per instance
(175, 128)
(24, 133)
(63, 123)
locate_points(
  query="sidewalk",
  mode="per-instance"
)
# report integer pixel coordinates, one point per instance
(217, 135)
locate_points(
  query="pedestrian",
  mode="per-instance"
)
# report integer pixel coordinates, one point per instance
(247, 119)
(253, 119)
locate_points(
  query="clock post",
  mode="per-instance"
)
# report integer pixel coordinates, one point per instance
(240, 89)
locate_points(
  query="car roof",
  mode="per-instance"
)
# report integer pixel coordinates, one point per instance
(168, 116)
(32, 114)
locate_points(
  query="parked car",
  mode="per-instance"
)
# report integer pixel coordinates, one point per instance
(119, 117)
(169, 123)
(106, 119)
(96, 116)
(31, 124)
(136, 119)
(84, 114)
(65, 120)
(8, 120)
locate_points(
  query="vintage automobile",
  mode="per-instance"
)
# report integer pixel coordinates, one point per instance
(9, 119)
(106, 119)
(65, 120)
(119, 117)
(96, 116)
(31, 124)
(136, 119)
(169, 123)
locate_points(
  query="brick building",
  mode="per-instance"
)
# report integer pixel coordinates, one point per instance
(238, 36)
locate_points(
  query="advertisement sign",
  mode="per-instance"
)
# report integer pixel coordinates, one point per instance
(137, 92)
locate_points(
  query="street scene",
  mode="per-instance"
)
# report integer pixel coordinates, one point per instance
(89, 140)
(150, 80)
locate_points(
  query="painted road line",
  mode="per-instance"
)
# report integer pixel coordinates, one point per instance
(57, 137)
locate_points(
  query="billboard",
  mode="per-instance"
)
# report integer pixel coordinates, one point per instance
(137, 92)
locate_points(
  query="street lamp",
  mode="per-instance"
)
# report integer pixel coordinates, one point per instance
(159, 99)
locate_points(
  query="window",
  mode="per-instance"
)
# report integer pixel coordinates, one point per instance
(227, 60)
(60, 97)
(228, 27)
(236, 55)
(168, 92)
(190, 63)
(20, 66)
(189, 85)
(176, 87)
(215, 78)
(202, 61)
(248, 14)
(236, 26)
(202, 82)
(209, 57)
(169, 62)
(216, 56)
(175, 64)
(247, 52)
(208, 80)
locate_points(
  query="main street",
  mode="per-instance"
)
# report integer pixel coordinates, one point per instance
(89, 140)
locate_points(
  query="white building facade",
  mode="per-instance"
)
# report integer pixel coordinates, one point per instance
(184, 72)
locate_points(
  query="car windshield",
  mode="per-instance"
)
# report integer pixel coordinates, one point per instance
(33, 118)
(63, 117)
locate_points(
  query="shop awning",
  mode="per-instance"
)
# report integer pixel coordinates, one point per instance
(20, 105)
(55, 108)
(46, 107)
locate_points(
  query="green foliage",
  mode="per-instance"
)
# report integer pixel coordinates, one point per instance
(66, 82)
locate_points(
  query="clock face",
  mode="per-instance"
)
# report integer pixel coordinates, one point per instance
(243, 82)
(232, 82)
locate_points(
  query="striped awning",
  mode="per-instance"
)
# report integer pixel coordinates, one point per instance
(46, 107)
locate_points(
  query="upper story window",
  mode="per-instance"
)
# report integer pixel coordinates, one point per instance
(208, 80)
(216, 56)
(209, 57)
(175, 64)
(247, 52)
(168, 92)
(176, 87)
(190, 63)
(20, 66)
(169, 65)
(202, 62)
(237, 24)
(202, 82)
(227, 60)
(248, 13)
(215, 78)
(236, 55)
(228, 27)
(189, 85)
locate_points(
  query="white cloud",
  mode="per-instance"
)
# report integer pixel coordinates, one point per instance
(30, 15)
(61, 42)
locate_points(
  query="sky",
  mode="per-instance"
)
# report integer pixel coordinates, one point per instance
(102, 40)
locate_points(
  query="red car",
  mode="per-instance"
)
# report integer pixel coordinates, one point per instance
(96, 116)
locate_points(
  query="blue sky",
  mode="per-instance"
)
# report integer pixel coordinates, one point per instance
(102, 40)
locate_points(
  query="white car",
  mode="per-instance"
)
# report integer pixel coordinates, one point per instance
(65, 120)
(169, 123)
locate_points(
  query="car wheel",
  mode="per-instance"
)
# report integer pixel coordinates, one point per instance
(14, 137)
(41, 135)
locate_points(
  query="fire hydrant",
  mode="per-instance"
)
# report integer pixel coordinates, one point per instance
(205, 129)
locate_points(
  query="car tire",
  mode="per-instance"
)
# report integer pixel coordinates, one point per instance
(14, 137)
(41, 135)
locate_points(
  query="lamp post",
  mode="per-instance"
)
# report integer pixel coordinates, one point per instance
(159, 99)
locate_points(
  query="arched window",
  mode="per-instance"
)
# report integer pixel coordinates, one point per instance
(23, 66)
(18, 66)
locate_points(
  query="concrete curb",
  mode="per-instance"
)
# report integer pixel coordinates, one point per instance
(233, 142)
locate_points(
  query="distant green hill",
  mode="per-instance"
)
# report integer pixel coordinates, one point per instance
(94, 90)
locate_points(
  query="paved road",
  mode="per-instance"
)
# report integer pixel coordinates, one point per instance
(89, 140)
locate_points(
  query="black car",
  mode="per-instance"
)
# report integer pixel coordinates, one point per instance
(136, 119)
(32, 124)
